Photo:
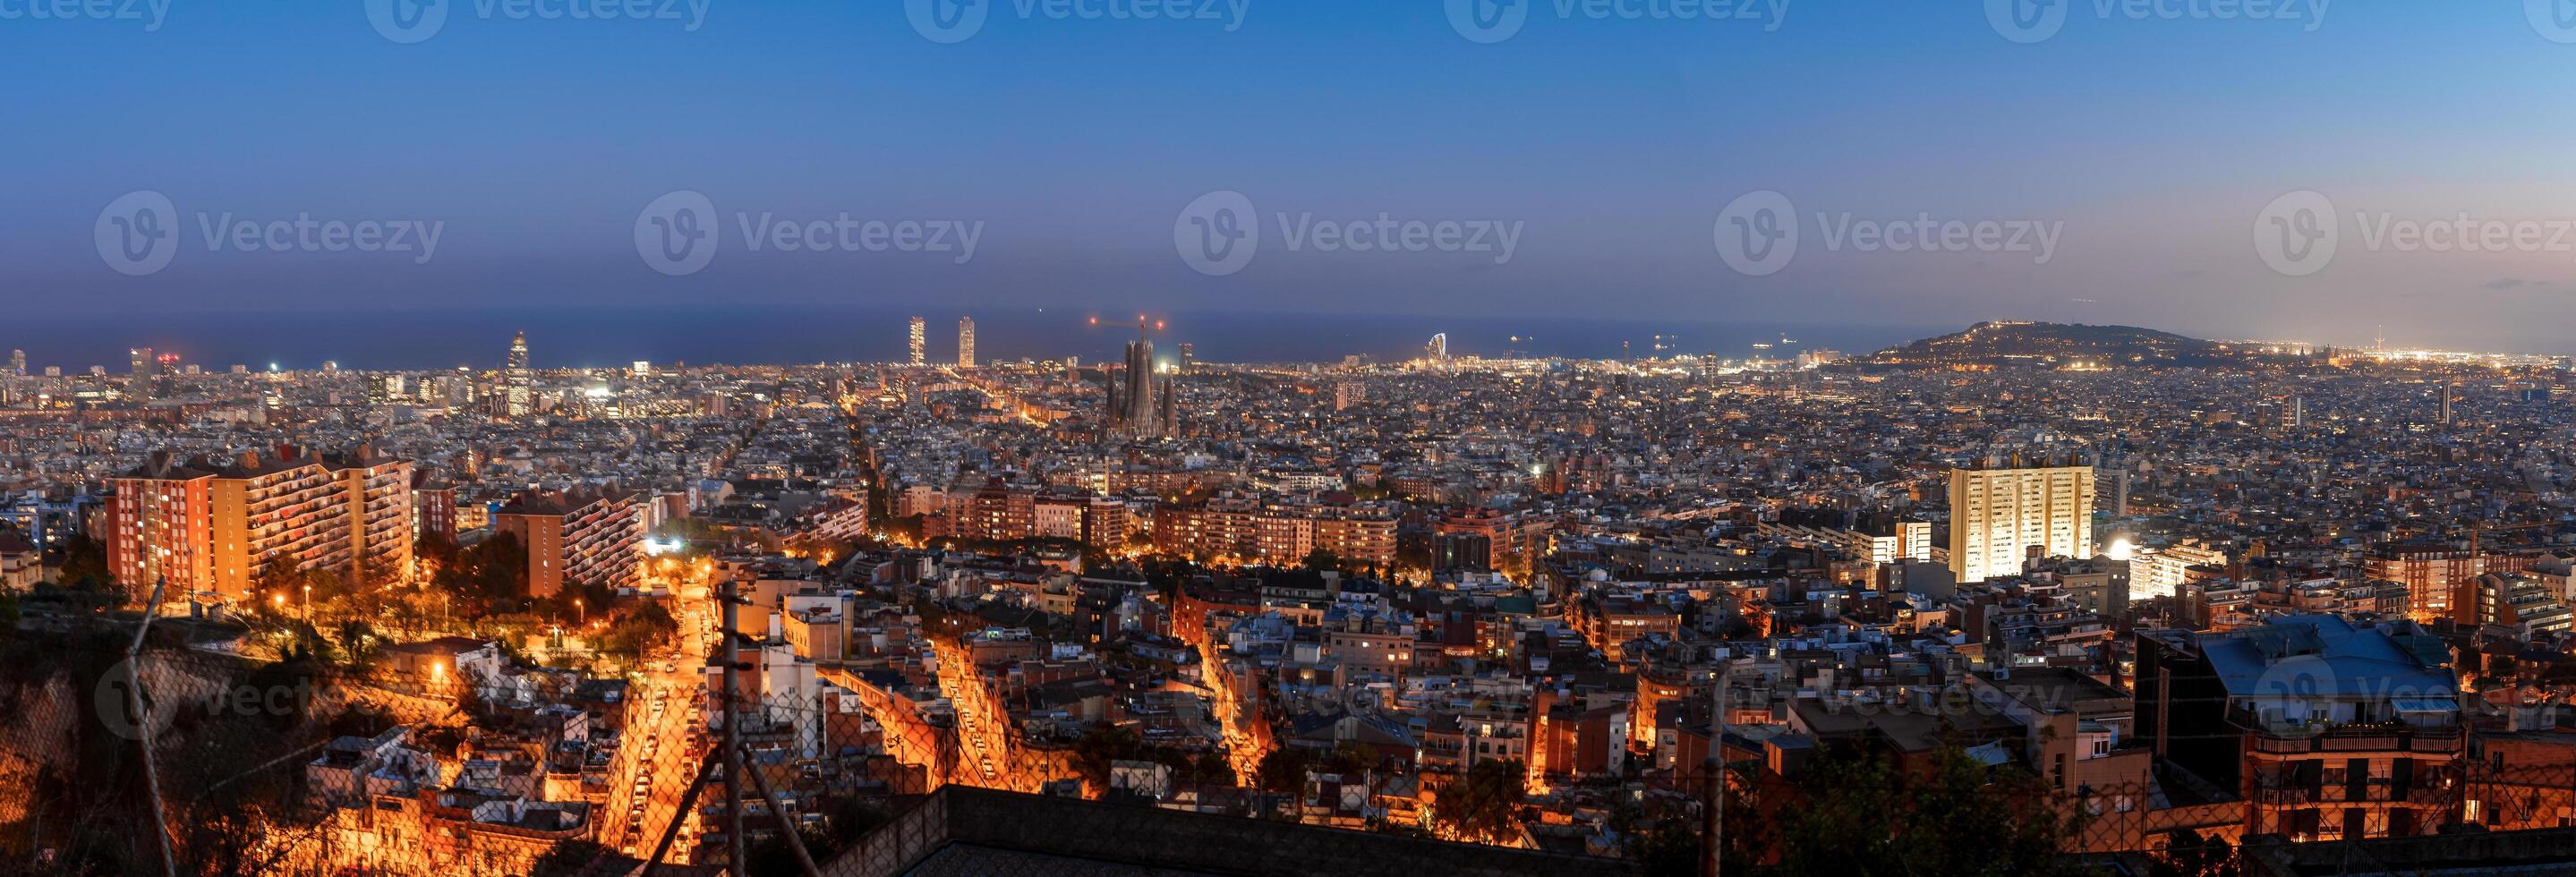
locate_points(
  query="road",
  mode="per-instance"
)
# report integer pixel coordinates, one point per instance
(985, 758)
(659, 759)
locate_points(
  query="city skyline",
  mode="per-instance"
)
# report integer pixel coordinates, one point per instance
(1598, 438)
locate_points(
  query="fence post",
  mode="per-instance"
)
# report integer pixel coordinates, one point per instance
(143, 726)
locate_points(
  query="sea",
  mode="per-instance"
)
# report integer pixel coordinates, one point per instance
(794, 334)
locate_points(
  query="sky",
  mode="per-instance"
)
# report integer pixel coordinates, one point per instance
(2094, 161)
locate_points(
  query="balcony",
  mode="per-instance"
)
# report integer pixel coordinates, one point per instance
(2275, 738)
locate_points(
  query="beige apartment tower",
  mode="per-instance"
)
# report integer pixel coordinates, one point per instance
(1998, 513)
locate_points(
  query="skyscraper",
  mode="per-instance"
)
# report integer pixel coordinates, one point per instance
(521, 397)
(138, 361)
(18, 363)
(1189, 357)
(2001, 511)
(920, 342)
(965, 342)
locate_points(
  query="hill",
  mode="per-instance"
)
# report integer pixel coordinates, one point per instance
(2060, 345)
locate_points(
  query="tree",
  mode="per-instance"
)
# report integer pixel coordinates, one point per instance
(357, 641)
(1213, 767)
(1283, 770)
(637, 631)
(284, 573)
(1100, 748)
(490, 577)
(1320, 560)
(2188, 854)
(1484, 804)
(85, 564)
(1659, 833)
(1861, 816)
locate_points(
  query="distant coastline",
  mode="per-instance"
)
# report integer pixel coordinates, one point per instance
(792, 334)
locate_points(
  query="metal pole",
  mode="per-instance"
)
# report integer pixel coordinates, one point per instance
(1715, 818)
(795, 842)
(143, 727)
(688, 799)
(732, 734)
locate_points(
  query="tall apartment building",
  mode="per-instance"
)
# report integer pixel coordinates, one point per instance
(1104, 522)
(220, 527)
(1999, 513)
(434, 509)
(965, 342)
(588, 538)
(2440, 580)
(997, 512)
(920, 342)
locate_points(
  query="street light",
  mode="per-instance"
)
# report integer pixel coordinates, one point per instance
(584, 610)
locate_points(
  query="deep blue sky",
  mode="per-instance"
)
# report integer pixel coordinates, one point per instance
(1615, 143)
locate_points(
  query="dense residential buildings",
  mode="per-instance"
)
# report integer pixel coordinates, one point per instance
(590, 538)
(1596, 574)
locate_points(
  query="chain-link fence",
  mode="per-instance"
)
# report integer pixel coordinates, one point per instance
(453, 756)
